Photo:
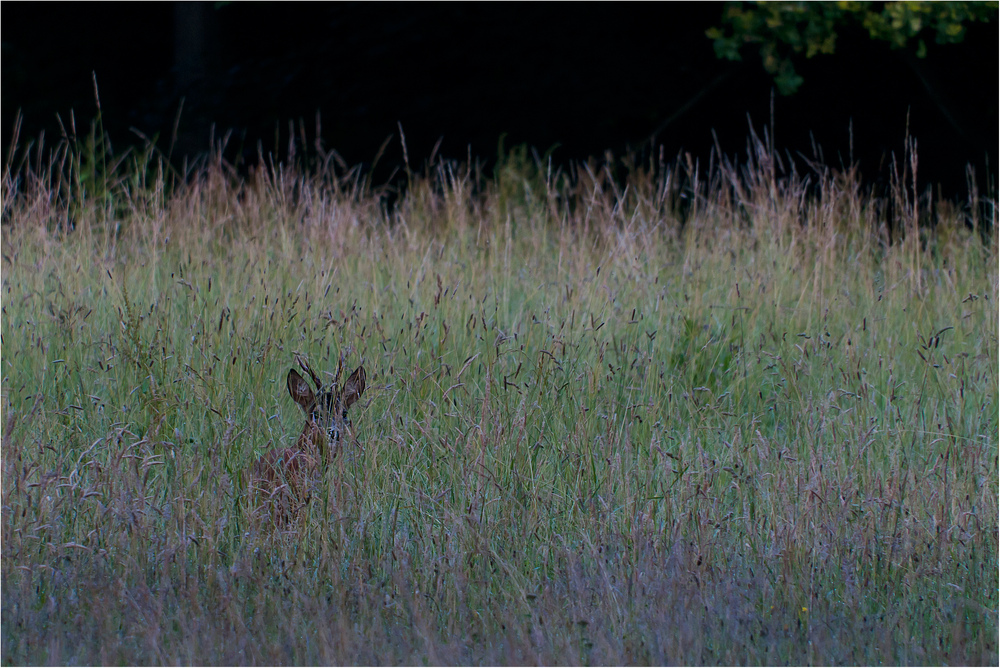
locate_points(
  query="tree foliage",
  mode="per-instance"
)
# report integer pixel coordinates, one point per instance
(784, 29)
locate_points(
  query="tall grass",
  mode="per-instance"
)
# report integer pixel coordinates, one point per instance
(621, 412)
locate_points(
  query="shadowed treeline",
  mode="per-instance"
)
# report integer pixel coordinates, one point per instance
(601, 77)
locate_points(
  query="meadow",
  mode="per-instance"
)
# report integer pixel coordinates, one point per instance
(628, 411)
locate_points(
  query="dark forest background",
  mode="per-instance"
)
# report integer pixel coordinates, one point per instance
(577, 79)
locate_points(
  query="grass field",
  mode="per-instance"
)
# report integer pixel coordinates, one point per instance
(621, 412)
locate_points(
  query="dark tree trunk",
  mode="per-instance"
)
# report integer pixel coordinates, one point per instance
(189, 43)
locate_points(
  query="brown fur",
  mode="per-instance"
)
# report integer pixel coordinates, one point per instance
(282, 479)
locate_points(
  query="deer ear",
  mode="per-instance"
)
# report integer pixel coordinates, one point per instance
(354, 387)
(300, 390)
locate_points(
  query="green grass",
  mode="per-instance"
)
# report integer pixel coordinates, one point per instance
(648, 420)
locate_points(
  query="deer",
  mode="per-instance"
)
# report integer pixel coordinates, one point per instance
(283, 477)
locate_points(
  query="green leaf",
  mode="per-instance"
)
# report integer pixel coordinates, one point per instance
(788, 82)
(727, 48)
(783, 29)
